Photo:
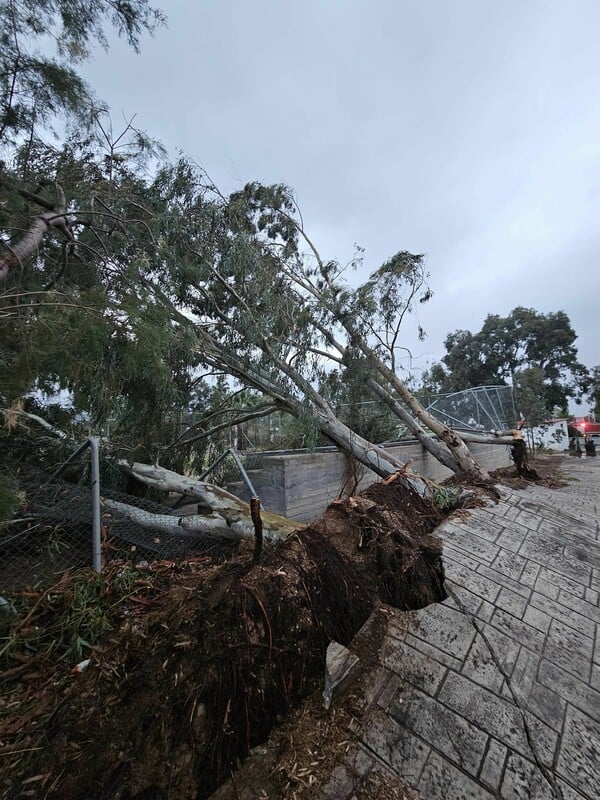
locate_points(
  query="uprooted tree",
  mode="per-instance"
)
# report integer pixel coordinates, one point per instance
(152, 280)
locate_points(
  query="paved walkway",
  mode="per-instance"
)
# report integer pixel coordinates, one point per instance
(495, 693)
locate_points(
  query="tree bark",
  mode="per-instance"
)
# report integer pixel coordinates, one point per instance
(450, 438)
(21, 251)
(229, 517)
(437, 449)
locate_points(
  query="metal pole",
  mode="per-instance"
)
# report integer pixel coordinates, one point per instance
(231, 452)
(247, 481)
(71, 458)
(96, 539)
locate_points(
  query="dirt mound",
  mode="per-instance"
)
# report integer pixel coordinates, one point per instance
(547, 473)
(201, 660)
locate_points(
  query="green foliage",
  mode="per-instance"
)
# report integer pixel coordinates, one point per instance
(529, 389)
(39, 44)
(70, 618)
(593, 390)
(443, 496)
(505, 346)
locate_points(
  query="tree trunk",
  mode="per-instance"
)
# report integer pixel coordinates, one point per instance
(437, 449)
(21, 251)
(376, 458)
(229, 517)
(450, 438)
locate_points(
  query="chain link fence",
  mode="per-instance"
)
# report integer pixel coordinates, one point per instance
(482, 408)
(52, 529)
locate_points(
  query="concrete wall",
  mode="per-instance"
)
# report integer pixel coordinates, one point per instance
(301, 485)
(552, 435)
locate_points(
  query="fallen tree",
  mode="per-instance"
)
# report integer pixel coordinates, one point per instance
(201, 665)
(220, 512)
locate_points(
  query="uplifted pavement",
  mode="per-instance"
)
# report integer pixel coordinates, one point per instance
(495, 693)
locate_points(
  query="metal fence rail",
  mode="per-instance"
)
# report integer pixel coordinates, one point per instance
(480, 408)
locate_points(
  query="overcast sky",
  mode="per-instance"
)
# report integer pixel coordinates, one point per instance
(468, 130)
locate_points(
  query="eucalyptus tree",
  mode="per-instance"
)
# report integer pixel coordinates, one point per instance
(232, 269)
(41, 44)
(367, 319)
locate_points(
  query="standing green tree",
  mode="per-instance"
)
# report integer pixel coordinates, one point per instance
(593, 391)
(525, 339)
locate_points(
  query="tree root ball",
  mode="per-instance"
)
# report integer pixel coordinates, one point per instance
(168, 707)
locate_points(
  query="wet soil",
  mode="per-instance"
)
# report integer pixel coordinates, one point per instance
(192, 665)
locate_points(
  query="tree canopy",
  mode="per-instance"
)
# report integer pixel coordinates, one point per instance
(124, 287)
(508, 349)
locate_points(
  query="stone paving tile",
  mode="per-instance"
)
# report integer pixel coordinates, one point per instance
(547, 556)
(524, 672)
(562, 583)
(500, 717)
(504, 580)
(515, 628)
(404, 752)
(585, 551)
(550, 590)
(443, 627)
(442, 781)
(472, 580)
(413, 666)
(381, 683)
(481, 667)
(560, 612)
(537, 619)
(455, 554)
(511, 602)
(529, 520)
(470, 543)
(579, 757)
(486, 611)
(493, 765)
(524, 580)
(433, 653)
(512, 539)
(458, 740)
(582, 607)
(509, 564)
(545, 704)
(530, 574)
(545, 739)
(568, 792)
(504, 648)
(592, 596)
(570, 688)
(524, 781)
(595, 580)
(569, 649)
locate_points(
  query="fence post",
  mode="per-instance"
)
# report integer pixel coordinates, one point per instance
(96, 539)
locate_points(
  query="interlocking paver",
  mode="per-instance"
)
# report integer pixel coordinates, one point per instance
(493, 765)
(496, 691)
(524, 781)
(569, 649)
(415, 667)
(509, 564)
(578, 758)
(442, 781)
(461, 742)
